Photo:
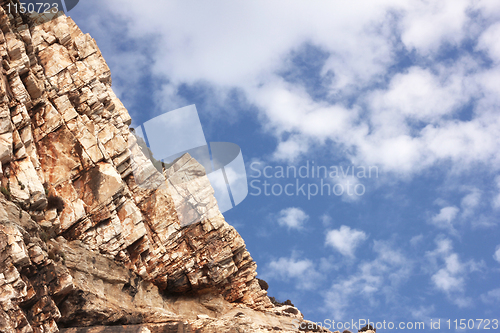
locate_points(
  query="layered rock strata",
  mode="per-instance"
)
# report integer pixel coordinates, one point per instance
(90, 231)
(51, 285)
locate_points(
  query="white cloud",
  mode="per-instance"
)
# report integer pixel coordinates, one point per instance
(449, 273)
(446, 214)
(470, 202)
(291, 149)
(489, 8)
(345, 240)
(491, 296)
(219, 44)
(423, 313)
(496, 256)
(427, 24)
(292, 218)
(373, 280)
(326, 220)
(302, 271)
(444, 219)
(418, 95)
(449, 278)
(451, 217)
(489, 42)
(462, 142)
(415, 240)
(484, 222)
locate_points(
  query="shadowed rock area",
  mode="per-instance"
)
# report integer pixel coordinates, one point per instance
(85, 246)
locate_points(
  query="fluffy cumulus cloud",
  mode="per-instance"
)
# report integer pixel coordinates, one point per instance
(345, 240)
(449, 273)
(449, 277)
(453, 219)
(489, 42)
(444, 219)
(302, 272)
(292, 218)
(409, 116)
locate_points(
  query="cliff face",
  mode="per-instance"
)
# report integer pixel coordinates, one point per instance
(82, 244)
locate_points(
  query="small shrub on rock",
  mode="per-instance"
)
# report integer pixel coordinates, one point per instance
(55, 202)
(44, 236)
(263, 284)
(292, 311)
(5, 192)
(367, 328)
(278, 303)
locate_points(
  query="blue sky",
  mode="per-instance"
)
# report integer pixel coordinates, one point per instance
(410, 88)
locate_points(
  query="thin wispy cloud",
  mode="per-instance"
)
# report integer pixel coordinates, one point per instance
(492, 296)
(372, 281)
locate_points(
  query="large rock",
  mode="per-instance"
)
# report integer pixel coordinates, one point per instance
(91, 233)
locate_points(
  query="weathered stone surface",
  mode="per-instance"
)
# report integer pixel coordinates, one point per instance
(56, 283)
(105, 292)
(191, 191)
(6, 148)
(29, 279)
(91, 233)
(54, 59)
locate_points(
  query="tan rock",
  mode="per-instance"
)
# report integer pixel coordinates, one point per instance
(65, 108)
(81, 74)
(5, 122)
(16, 140)
(17, 87)
(34, 88)
(99, 66)
(63, 81)
(54, 59)
(85, 45)
(6, 150)
(47, 120)
(191, 191)
(28, 182)
(17, 53)
(20, 117)
(61, 31)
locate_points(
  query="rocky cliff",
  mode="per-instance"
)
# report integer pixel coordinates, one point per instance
(85, 247)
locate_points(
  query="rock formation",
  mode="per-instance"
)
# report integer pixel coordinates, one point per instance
(85, 247)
